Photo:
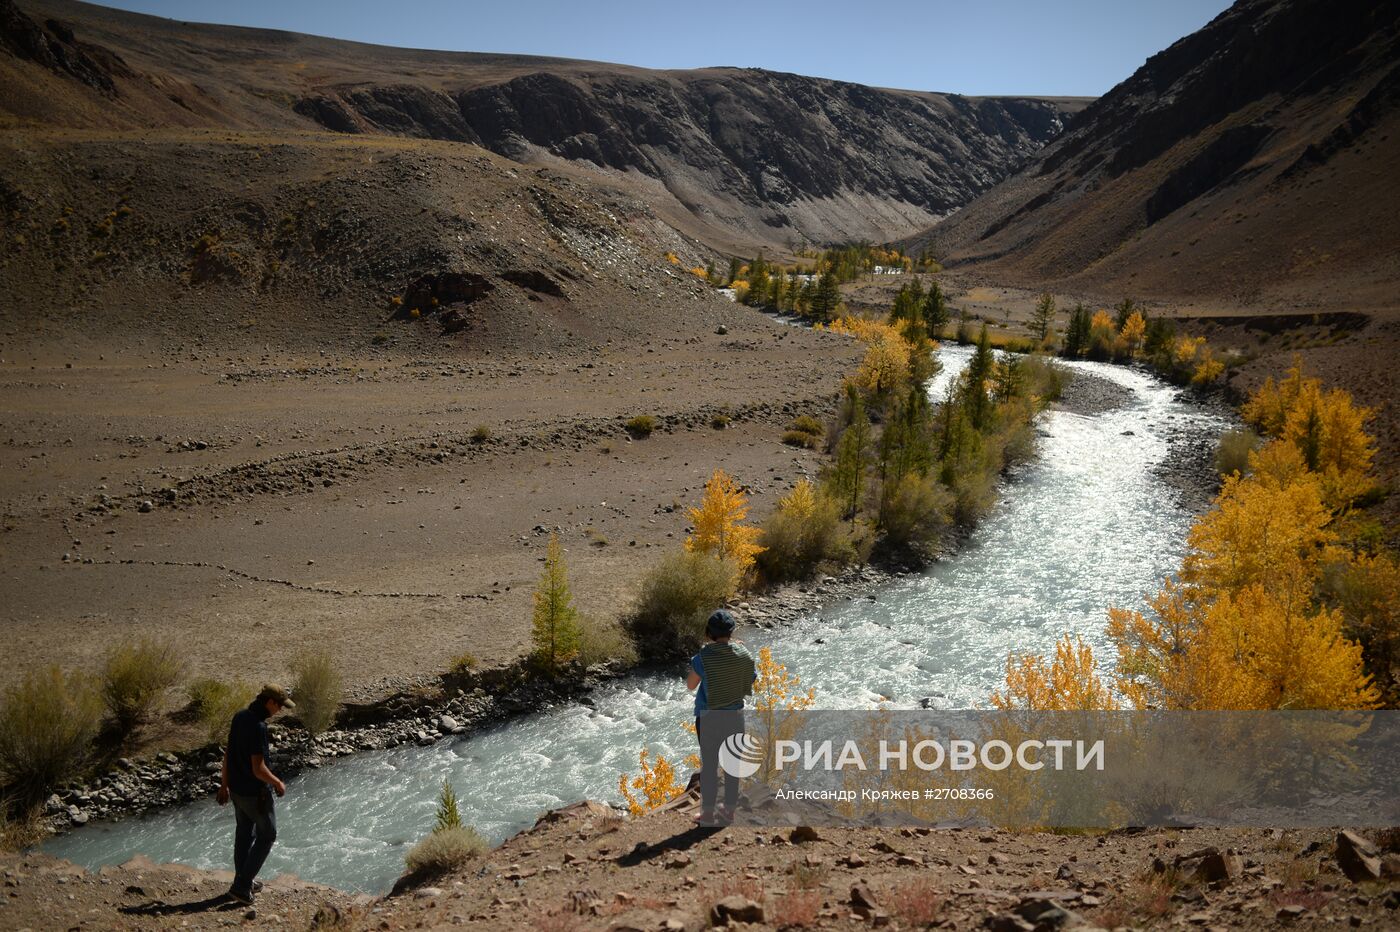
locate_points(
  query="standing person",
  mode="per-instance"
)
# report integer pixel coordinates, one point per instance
(250, 785)
(722, 674)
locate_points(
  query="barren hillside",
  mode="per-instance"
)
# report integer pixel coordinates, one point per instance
(778, 157)
(1249, 166)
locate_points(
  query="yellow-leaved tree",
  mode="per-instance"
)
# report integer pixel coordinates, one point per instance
(885, 369)
(778, 700)
(1133, 332)
(1327, 428)
(1269, 600)
(1069, 682)
(719, 524)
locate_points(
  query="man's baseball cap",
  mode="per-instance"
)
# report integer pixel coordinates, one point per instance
(278, 695)
(720, 624)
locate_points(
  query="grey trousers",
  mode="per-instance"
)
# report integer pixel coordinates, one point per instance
(712, 728)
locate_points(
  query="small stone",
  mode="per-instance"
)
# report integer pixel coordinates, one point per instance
(803, 833)
(1290, 912)
(678, 860)
(145, 507)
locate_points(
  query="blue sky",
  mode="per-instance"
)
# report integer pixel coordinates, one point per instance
(1050, 47)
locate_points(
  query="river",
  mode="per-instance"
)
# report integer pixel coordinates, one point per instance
(1090, 523)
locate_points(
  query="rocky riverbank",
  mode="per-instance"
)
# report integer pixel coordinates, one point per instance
(175, 778)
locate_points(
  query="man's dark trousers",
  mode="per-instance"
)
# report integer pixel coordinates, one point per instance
(255, 831)
(712, 728)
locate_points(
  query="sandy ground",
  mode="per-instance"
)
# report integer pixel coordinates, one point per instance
(342, 503)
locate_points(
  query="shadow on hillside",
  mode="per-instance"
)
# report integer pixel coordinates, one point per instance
(677, 842)
(218, 903)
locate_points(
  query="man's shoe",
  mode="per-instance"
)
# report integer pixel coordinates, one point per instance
(241, 896)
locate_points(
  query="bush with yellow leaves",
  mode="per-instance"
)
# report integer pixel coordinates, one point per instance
(655, 784)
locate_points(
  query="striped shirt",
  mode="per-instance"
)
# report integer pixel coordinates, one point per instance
(727, 673)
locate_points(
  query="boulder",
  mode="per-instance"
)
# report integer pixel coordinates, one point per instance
(1358, 857)
(863, 902)
(735, 908)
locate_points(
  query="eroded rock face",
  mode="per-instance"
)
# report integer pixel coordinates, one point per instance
(54, 46)
(763, 140)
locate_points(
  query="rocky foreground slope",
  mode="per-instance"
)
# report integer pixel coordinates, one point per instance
(774, 157)
(586, 868)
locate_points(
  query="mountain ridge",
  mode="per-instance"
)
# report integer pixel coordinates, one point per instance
(777, 158)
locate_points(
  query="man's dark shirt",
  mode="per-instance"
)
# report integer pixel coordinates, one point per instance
(247, 736)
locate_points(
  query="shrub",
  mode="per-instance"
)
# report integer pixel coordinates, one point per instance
(656, 783)
(20, 827)
(916, 902)
(135, 677)
(974, 494)
(1044, 378)
(803, 532)
(719, 421)
(463, 663)
(317, 690)
(797, 909)
(641, 426)
(215, 702)
(914, 513)
(481, 433)
(604, 641)
(806, 424)
(796, 438)
(1233, 449)
(47, 723)
(445, 851)
(676, 597)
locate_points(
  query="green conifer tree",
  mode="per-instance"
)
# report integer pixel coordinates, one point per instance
(1043, 317)
(827, 298)
(977, 375)
(448, 815)
(556, 634)
(935, 311)
(852, 458)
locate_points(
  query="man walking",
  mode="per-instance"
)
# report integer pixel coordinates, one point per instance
(721, 674)
(250, 785)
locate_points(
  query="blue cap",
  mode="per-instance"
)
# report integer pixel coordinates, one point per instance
(721, 624)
